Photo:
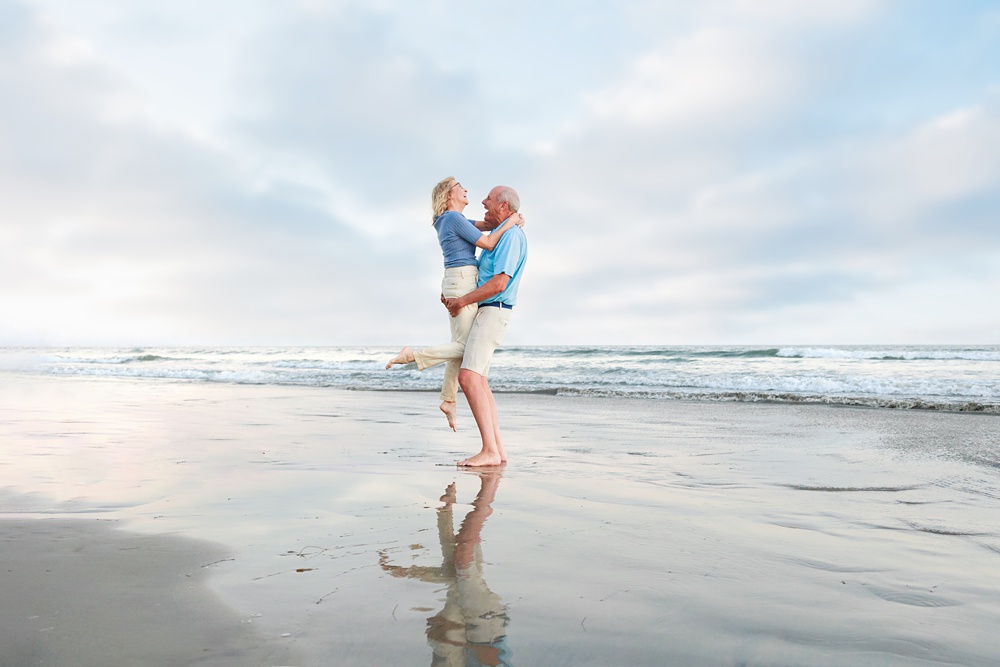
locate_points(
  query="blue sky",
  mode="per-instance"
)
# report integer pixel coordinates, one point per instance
(723, 172)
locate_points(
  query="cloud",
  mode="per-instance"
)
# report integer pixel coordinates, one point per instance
(703, 193)
(363, 109)
(717, 76)
(823, 235)
(116, 229)
(734, 171)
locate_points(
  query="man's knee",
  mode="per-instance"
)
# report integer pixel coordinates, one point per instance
(468, 379)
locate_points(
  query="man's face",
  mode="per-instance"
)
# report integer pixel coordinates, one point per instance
(495, 211)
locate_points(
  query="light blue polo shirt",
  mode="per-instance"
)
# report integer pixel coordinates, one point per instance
(508, 257)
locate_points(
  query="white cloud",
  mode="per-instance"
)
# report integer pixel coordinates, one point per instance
(717, 76)
(120, 231)
(951, 156)
(800, 13)
(776, 232)
(252, 172)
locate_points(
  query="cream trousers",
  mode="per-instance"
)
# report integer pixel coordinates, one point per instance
(457, 282)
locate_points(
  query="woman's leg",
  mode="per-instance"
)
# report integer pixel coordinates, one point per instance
(405, 356)
(456, 283)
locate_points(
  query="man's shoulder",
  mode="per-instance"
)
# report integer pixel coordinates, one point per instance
(513, 243)
(517, 237)
(514, 235)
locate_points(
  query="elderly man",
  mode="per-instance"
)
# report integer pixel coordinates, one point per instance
(499, 275)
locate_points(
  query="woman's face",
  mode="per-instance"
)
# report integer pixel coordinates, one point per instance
(458, 195)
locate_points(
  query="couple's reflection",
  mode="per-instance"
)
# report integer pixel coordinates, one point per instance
(471, 628)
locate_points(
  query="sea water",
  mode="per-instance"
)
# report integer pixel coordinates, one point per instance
(949, 378)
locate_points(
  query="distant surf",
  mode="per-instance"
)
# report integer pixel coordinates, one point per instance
(950, 378)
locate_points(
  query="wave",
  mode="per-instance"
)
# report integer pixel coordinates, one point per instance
(850, 489)
(323, 364)
(739, 353)
(889, 354)
(116, 360)
(627, 352)
(961, 379)
(371, 380)
(643, 352)
(781, 397)
(867, 353)
(987, 408)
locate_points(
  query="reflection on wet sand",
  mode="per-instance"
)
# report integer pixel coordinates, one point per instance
(471, 628)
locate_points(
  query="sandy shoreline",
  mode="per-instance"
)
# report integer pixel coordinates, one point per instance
(80, 592)
(622, 532)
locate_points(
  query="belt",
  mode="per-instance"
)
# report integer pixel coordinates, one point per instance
(497, 304)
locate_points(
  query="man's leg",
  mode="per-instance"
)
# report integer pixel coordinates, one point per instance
(495, 419)
(496, 424)
(484, 410)
(487, 333)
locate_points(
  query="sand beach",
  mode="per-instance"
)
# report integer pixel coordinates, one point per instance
(162, 522)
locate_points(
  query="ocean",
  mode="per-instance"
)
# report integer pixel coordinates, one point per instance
(945, 378)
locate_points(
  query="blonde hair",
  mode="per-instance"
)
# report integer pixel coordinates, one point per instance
(439, 196)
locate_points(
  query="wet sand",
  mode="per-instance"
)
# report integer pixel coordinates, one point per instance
(164, 523)
(80, 592)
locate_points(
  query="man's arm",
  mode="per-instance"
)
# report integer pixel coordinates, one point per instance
(491, 287)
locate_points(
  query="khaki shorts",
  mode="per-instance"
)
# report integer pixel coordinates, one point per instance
(487, 333)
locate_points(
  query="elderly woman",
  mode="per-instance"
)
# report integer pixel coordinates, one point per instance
(459, 237)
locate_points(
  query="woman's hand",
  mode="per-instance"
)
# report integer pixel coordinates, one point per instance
(518, 219)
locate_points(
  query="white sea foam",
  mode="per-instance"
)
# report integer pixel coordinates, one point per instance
(876, 375)
(888, 353)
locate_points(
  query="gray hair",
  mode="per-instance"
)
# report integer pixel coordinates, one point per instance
(509, 196)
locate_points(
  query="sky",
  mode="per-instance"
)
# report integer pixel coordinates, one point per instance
(727, 172)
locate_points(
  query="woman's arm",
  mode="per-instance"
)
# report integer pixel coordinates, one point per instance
(490, 242)
(484, 226)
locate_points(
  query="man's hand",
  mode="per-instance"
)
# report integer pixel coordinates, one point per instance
(453, 306)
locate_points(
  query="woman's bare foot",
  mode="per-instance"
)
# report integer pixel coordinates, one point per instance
(405, 356)
(450, 410)
(481, 459)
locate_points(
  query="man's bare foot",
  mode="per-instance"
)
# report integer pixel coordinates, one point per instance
(481, 459)
(450, 410)
(405, 356)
